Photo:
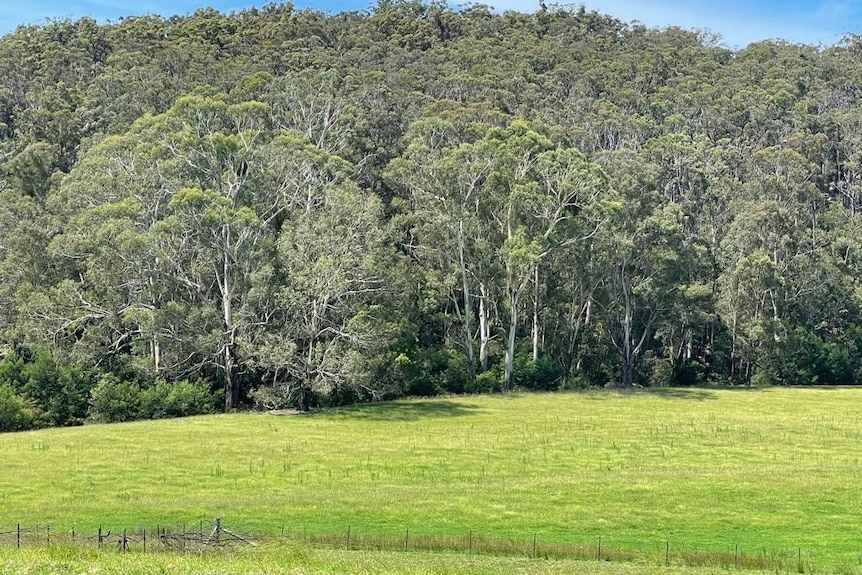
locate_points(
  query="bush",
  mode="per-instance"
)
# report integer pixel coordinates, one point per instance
(115, 400)
(177, 399)
(541, 374)
(15, 413)
(57, 394)
(486, 382)
(662, 374)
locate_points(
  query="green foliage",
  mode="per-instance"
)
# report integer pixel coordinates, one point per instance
(114, 399)
(180, 398)
(803, 358)
(57, 394)
(15, 412)
(358, 206)
(541, 374)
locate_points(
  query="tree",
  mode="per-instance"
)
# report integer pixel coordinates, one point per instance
(325, 317)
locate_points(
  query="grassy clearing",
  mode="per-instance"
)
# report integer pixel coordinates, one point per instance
(308, 561)
(774, 472)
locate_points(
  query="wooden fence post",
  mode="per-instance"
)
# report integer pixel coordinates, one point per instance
(18, 536)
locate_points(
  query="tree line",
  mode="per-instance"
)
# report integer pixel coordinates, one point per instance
(285, 208)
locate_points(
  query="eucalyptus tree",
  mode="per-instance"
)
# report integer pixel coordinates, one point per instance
(443, 172)
(326, 317)
(184, 210)
(542, 198)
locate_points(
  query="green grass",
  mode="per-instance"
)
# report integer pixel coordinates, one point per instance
(295, 560)
(774, 472)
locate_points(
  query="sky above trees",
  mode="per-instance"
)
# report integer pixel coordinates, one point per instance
(739, 22)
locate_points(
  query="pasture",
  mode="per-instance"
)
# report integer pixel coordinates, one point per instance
(770, 473)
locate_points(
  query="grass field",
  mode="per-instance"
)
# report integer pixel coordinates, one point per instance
(309, 561)
(775, 472)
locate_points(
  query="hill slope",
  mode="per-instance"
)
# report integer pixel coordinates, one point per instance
(771, 471)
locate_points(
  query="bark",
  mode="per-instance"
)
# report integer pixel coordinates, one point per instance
(231, 390)
(484, 329)
(468, 304)
(536, 316)
(509, 383)
(305, 396)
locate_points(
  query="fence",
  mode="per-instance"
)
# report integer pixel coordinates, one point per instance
(207, 534)
(212, 534)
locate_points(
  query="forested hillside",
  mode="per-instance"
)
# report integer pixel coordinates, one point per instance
(286, 208)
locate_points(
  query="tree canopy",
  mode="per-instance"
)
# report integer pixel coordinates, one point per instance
(285, 208)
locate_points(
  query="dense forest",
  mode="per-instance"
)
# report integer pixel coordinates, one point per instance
(285, 208)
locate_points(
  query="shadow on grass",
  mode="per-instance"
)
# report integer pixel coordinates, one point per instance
(406, 410)
(688, 393)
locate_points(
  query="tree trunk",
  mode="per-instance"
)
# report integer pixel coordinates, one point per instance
(628, 370)
(305, 396)
(536, 316)
(231, 391)
(484, 329)
(156, 354)
(509, 382)
(468, 305)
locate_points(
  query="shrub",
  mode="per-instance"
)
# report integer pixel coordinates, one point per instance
(113, 399)
(177, 399)
(662, 374)
(15, 413)
(540, 374)
(486, 382)
(57, 394)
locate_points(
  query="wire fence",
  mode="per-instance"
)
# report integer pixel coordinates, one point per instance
(213, 534)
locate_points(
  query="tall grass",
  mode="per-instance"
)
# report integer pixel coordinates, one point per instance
(770, 473)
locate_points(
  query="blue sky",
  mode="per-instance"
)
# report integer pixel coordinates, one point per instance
(739, 22)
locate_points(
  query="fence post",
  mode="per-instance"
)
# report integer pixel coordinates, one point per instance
(666, 553)
(18, 536)
(736, 556)
(48, 533)
(100, 536)
(534, 545)
(145, 539)
(599, 553)
(406, 538)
